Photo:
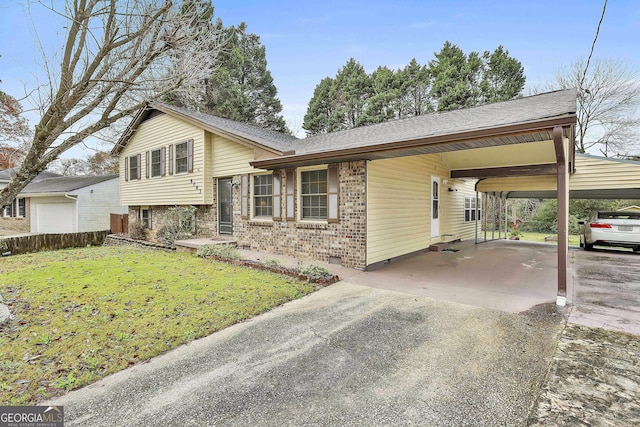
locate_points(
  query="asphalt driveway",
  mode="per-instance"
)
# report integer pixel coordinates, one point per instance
(345, 355)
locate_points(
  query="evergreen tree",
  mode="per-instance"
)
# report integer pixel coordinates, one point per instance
(351, 91)
(242, 87)
(415, 91)
(503, 76)
(454, 77)
(319, 114)
(452, 80)
(385, 97)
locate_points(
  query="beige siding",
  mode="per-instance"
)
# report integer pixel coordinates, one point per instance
(184, 189)
(452, 223)
(598, 173)
(231, 158)
(398, 206)
(506, 155)
(592, 173)
(526, 183)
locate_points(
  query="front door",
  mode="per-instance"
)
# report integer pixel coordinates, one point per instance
(435, 206)
(225, 206)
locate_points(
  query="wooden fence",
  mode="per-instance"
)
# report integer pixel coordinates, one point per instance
(50, 242)
(119, 223)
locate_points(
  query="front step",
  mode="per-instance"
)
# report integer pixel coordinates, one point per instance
(438, 247)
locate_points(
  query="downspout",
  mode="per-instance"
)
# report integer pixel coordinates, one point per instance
(75, 209)
(563, 215)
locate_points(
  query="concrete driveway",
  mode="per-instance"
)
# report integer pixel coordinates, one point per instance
(368, 355)
(345, 355)
(606, 292)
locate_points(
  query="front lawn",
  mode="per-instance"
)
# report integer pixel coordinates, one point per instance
(82, 314)
(529, 236)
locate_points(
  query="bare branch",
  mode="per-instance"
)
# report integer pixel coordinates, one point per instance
(117, 57)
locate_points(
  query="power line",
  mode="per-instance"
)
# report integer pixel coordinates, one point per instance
(593, 45)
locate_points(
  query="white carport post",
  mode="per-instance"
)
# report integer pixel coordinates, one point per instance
(563, 214)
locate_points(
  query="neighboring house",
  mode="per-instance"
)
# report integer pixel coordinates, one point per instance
(73, 204)
(359, 197)
(15, 216)
(59, 204)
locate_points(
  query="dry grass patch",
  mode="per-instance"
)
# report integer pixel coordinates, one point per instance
(82, 314)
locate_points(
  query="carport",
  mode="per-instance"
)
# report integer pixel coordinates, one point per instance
(514, 148)
(591, 177)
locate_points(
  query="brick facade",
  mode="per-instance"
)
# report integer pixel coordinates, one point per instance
(343, 241)
(17, 224)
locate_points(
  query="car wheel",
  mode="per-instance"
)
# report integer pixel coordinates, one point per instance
(588, 246)
(636, 250)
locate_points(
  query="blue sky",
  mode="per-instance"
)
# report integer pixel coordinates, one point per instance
(309, 40)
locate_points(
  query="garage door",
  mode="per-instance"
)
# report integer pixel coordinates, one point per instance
(55, 217)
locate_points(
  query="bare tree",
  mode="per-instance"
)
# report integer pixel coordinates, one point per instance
(15, 134)
(608, 100)
(117, 56)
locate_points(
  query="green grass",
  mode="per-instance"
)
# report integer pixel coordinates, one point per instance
(82, 314)
(574, 239)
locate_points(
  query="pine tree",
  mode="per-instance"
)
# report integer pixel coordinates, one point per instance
(385, 96)
(503, 76)
(242, 87)
(317, 120)
(351, 92)
(454, 77)
(415, 91)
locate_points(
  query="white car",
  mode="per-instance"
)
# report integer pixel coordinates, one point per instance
(612, 228)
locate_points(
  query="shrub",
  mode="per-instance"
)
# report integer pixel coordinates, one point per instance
(3, 245)
(314, 272)
(220, 251)
(272, 262)
(136, 231)
(178, 223)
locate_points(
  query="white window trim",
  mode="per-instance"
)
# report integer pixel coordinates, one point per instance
(478, 210)
(299, 194)
(252, 217)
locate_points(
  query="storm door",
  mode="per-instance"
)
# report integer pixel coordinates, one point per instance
(225, 206)
(435, 206)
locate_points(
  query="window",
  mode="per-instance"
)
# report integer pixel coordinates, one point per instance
(134, 167)
(470, 209)
(156, 163)
(16, 209)
(262, 195)
(22, 207)
(145, 217)
(313, 192)
(182, 155)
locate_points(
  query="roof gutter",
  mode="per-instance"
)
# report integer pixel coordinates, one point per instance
(445, 139)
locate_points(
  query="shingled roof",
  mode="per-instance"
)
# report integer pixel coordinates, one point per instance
(520, 110)
(422, 130)
(277, 142)
(64, 184)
